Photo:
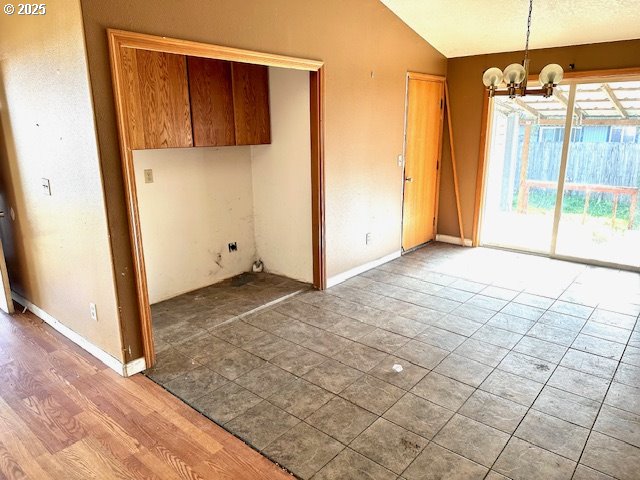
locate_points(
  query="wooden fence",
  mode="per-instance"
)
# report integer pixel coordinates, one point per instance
(594, 169)
(597, 163)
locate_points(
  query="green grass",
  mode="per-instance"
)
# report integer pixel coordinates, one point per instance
(543, 199)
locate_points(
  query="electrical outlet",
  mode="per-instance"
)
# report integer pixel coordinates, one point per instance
(400, 160)
(46, 186)
(369, 238)
(93, 311)
(233, 247)
(148, 176)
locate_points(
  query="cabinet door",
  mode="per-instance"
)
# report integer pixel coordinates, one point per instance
(157, 100)
(211, 102)
(251, 103)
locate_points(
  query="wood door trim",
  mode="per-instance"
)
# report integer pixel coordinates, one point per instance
(206, 50)
(487, 110)
(454, 169)
(485, 128)
(426, 76)
(573, 75)
(316, 84)
(440, 138)
(118, 39)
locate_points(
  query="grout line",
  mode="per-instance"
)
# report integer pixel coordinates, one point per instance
(512, 435)
(602, 404)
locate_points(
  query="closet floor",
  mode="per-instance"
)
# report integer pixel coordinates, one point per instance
(185, 318)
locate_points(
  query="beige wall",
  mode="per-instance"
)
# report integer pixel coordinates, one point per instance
(200, 201)
(57, 247)
(367, 51)
(467, 93)
(282, 179)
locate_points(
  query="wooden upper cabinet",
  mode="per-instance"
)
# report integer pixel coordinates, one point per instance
(178, 101)
(251, 103)
(211, 102)
(158, 108)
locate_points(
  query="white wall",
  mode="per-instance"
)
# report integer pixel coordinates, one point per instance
(199, 202)
(282, 179)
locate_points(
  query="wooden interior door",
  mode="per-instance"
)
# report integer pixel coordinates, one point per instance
(422, 158)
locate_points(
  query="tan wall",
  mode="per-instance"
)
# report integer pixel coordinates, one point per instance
(467, 93)
(200, 200)
(367, 51)
(57, 247)
(281, 175)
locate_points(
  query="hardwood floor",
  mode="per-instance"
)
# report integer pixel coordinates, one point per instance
(65, 415)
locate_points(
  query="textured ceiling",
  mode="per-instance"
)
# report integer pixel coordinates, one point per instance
(459, 28)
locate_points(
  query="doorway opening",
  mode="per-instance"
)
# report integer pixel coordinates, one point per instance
(226, 230)
(562, 173)
(158, 108)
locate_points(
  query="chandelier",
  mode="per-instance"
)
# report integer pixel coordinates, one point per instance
(515, 75)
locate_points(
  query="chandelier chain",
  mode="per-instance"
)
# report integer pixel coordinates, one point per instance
(526, 47)
(515, 76)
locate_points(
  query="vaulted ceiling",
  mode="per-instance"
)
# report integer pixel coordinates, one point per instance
(459, 28)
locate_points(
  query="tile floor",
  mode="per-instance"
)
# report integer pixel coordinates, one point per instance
(193, 313)
(447, 363)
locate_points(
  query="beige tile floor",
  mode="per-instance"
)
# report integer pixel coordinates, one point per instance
(512, 366)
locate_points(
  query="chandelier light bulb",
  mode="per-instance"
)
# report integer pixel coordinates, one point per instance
(514, 73)
(492, 77)
(551, 74)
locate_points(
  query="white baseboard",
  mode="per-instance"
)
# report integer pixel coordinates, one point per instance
(453, 240)
(341, 277)
(124, 369)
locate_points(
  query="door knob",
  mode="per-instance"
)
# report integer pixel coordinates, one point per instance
(408, 179)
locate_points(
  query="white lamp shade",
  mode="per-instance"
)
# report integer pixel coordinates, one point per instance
(551, 74)
(492, 77)
(514, 73)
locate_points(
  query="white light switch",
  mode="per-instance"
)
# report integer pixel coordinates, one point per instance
(46, 186)
(148, 176)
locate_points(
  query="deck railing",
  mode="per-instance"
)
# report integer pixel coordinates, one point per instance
(588, 189)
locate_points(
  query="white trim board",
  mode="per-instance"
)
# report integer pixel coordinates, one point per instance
(453, 240)
(341, 277)
(124, 369)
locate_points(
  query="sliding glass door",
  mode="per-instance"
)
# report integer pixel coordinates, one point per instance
(592, 160)
(521, 183)
(600, 219)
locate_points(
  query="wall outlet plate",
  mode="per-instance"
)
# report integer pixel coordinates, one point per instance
(93, 311)
(369, 238)
(148, 175)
